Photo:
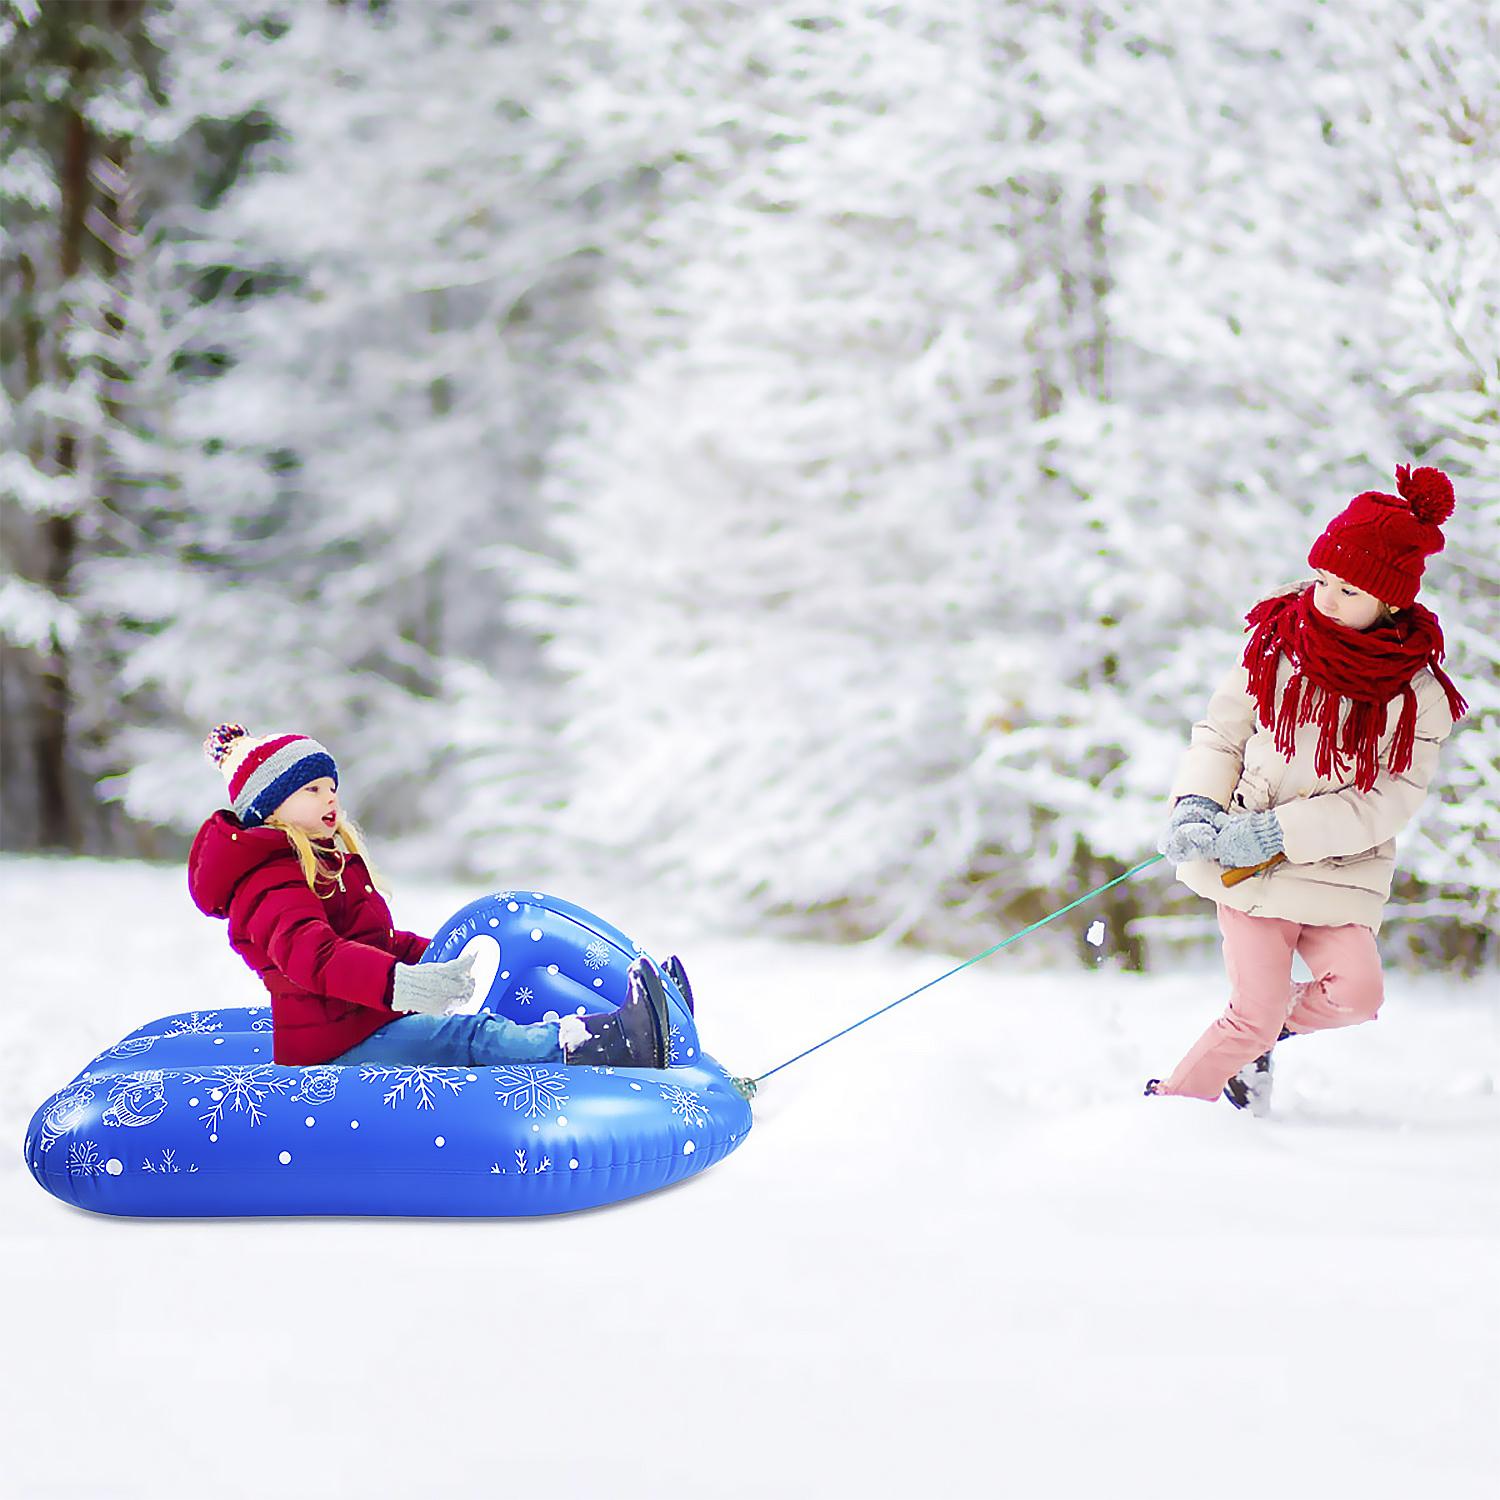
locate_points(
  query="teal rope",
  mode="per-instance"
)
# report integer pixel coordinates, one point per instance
(746, 1087)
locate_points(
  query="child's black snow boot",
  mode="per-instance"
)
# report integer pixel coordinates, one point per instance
(678, 975)
(635, 1035)
(1250, 1088)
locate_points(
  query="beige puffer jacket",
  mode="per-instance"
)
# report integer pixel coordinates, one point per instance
(1338, 841)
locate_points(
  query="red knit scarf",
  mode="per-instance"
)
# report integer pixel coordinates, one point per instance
(1331, 664)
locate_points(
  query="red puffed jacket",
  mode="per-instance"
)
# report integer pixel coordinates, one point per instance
(328, 961)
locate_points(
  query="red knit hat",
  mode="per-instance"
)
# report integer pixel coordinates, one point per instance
(1380, 543)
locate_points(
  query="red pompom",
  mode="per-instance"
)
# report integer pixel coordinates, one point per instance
(1429, 492)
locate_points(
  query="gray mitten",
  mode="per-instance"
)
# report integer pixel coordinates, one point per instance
(1192, 829)
(433, 989)
(1191, 841)
(1250, 839)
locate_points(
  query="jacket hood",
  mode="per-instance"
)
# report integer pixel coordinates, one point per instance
(223, 854)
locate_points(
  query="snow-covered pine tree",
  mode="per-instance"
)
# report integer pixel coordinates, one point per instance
(803, 531)
(1300, 284)
(78, 91)
(1420, 122)
(387, 285)
(1220, 430)
(782, 578)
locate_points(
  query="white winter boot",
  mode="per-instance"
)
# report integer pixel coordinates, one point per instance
(1250, 1088)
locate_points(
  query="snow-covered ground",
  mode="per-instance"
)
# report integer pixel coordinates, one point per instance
(958, 1256)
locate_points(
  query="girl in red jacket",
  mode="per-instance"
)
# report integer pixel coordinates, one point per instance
(287, 870)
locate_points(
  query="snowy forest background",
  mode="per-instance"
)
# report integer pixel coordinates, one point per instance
(808, 459)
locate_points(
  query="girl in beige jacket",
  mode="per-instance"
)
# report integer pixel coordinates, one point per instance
(1315, 751)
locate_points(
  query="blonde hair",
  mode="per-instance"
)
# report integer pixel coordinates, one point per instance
(346, 834)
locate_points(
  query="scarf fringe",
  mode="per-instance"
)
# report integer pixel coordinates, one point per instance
(1285, 729)
(1457, 704)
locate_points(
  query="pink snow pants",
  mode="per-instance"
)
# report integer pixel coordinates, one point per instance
(1346, 988)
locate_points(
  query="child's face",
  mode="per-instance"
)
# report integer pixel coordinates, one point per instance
(314, 809)
(1344, 603)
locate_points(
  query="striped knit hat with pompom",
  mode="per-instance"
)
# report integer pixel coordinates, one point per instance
(262, 774)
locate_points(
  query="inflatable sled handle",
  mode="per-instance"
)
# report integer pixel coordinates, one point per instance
(1233, 877)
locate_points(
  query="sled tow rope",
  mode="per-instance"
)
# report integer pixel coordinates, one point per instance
(747, 1086)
